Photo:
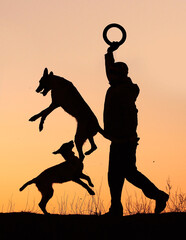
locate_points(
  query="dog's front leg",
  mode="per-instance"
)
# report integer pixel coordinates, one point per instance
(90, 191)
(35, 117)
(46, 112)
(43, 114)
(83, 176)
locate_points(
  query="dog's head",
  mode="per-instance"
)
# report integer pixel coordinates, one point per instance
(45, 83)
(66, 150)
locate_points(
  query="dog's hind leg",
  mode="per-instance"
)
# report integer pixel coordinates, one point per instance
(79, 146)
(46, 196)
(93, 146)
(79, 141)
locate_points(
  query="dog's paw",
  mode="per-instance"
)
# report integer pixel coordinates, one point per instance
(91, 184)
(91, 150)
(91, 192)
(32, 119)
(40, 127)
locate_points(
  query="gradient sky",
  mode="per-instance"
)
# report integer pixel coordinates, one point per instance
(66, 37)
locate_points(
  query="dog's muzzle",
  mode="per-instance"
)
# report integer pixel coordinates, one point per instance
(56, 152)
(42, 90)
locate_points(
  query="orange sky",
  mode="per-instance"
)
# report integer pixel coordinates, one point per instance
(66, 37)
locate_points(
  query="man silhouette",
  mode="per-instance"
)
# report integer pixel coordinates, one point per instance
(120, 123)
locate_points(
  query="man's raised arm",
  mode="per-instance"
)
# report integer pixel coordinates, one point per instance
(109, 60)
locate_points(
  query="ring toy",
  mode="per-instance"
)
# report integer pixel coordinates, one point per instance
(116, 26)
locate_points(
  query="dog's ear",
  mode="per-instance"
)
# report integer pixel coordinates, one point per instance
(51, 74)
(45, 73)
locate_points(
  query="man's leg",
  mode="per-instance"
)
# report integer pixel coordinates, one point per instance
(115, 181)
(149, 189)
(139, 180)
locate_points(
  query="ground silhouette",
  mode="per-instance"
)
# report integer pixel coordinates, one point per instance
(141, 226)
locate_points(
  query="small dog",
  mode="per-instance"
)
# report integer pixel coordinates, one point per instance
(71, 170)
(65, 95)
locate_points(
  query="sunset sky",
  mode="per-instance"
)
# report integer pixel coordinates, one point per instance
(66, 37)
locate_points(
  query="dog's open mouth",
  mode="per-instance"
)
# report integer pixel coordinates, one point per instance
(43, 91)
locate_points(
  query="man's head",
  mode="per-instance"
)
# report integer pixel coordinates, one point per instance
(119, 73)
(122, 68)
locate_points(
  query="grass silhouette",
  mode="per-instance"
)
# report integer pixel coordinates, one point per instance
(95, 205)
(85, 220)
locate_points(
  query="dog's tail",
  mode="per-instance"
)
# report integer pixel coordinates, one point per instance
(27, 183)
(104, 134)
